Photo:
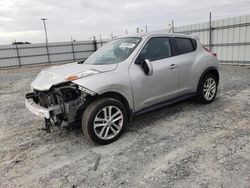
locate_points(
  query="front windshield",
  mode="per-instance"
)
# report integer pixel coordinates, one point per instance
(114, 52)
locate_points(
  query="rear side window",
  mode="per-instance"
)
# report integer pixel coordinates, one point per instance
(194, 42)
(184, 45)
(156, 48)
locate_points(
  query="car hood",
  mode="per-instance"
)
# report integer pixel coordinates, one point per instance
(56, 74)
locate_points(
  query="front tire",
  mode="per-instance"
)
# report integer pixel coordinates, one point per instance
(104, 121)
(207, 89)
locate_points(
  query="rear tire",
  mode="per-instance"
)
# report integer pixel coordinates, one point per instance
(207, 89)
(104, 121)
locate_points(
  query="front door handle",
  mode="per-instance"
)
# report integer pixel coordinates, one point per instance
(172, 66)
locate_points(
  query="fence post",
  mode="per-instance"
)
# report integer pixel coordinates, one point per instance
(73, 51)
(47, 48)
(210, 30)
(95, 44)
(18, 56)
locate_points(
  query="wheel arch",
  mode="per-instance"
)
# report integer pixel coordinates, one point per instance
(118, 96)
(109, 94)
(211, 70)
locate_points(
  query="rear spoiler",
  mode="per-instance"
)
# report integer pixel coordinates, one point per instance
(196, 36)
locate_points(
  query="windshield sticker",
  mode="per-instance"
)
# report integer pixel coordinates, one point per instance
(127, 45)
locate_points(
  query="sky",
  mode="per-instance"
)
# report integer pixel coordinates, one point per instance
(82, 19)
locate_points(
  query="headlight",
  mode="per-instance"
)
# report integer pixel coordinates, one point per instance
(80, 75)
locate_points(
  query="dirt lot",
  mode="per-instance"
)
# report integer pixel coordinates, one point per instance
(184, 145)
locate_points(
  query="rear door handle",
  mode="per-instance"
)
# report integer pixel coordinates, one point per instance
(172, 66)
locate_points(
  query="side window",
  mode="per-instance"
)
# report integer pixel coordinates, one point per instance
(184, 45)
(194, 42)
(156, 48)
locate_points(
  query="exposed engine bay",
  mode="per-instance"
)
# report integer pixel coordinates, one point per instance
(63, 100)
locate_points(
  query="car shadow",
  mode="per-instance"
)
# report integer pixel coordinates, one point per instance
(148, 117)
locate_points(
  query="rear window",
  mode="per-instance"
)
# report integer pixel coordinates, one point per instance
(184, 45)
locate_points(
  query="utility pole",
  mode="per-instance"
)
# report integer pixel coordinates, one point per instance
(126, 32)
(45, 29)
(46, 43)
(146, 28)
(172, 26)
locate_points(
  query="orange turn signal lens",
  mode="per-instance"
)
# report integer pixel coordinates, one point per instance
(71, 77)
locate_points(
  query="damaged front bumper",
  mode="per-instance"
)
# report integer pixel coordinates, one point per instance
(61, 106)
(43, 112)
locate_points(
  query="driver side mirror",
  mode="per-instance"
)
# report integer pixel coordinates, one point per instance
(146, 66)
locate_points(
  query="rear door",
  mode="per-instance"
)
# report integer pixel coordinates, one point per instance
(185, 54)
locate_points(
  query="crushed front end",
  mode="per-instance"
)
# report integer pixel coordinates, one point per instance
(59, 105)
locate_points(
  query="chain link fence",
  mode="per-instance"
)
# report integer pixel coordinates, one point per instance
(46, 53)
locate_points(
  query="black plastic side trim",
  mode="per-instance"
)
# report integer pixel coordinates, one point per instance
(163, 104)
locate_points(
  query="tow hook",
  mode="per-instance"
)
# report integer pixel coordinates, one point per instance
(47, 126)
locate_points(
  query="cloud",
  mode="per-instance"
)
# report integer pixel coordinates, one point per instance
(81, 19)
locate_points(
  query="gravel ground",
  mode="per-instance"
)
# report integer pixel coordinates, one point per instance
(184, 145)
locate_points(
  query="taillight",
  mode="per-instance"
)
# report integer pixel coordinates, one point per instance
(213, 53)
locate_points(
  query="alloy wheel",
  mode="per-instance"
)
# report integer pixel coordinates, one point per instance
(209, 89)
(108, 122)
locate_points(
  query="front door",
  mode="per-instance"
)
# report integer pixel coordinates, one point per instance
(163, 84)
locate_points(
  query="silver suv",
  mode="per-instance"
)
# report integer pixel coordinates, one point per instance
(126, 77)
